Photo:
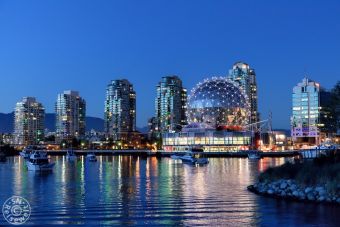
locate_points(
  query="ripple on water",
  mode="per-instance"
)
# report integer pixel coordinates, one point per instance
(133, 191)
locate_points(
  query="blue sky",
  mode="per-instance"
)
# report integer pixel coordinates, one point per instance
(50, 46)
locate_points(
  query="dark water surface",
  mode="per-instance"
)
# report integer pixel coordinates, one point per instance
(124, 190)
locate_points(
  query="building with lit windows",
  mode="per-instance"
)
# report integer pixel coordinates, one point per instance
(306, 113)
(218, 111)
(245, 77)
(170, 105)
(120, 111)
(70, 111)
(29, 117)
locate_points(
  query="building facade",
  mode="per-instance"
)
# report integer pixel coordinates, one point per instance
(245, 77)
(306, 113)
(328, 126)
(218, 111)
(70, 112)
(170, 105)
(29, 122)
(120, 110)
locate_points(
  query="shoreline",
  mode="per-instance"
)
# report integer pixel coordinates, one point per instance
(232, 154)
(292, 191)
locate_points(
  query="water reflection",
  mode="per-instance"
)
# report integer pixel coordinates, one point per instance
(127, 190)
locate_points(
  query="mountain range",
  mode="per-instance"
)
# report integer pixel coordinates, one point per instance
(7, 122)
(96, 123)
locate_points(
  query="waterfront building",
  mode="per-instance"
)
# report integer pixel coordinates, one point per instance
(120, 111)
(327, 123)
(218, 111)
(29, 117)
(170, 105)
(306, 113)
(245, 77)
(70, 111)
(281, 141)
(153, 132)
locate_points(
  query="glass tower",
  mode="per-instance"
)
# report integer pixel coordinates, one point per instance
(245, 77)
(306, 112)
(70, 112)
(120, 109)
(29, 119)
(170, 104)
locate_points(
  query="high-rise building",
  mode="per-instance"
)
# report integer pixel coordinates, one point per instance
(120, 110)
(70, 112)
(170, 104)
(245, 77)
(306, 113)
(29, 122)
(327, 123)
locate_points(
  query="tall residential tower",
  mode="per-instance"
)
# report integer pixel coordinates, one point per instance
(170, 104)
(245, 77)
(29, 122)
(70, 112)
(120, 109)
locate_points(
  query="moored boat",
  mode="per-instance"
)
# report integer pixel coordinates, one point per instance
(194, 158)
(91, 157)
(38, 161)
(176, 156)
(254, 154)
(70, 155)
(26, 152)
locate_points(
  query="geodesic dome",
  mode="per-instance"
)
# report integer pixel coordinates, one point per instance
(218, 102)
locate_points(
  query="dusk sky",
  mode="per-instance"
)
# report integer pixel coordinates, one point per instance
(50, 46)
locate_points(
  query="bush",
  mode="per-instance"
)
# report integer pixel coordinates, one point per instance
(321, 171)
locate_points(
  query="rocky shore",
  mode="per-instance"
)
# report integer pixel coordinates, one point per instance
(289, 189)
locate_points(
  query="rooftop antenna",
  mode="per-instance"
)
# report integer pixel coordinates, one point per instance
(305, 72)
(270, 121)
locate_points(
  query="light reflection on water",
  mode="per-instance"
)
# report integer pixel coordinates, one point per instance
(126, 190)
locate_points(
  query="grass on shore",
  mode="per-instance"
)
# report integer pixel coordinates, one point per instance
(320, 171)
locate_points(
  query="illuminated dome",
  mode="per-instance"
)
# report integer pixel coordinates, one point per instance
(218, 103)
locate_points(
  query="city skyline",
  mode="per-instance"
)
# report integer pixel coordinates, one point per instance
(102, 114)
(86, 48)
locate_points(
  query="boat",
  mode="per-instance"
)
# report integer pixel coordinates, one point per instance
(26, 152)
(91, 157)
(254, 154)
(38, 161)
(193, 158)
(176, 156)
(70, 155)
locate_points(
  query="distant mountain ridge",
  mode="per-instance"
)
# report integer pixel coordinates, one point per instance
(7, 122)
(96, 123)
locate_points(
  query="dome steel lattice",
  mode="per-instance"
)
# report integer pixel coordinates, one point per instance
(218, 102)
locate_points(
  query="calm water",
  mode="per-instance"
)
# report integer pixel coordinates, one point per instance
(134, 191)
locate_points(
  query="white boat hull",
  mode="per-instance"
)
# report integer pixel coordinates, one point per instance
(24, 155)
(44, 167)
(175, 157)
(91, 158)
(191, 160)
(254, 156)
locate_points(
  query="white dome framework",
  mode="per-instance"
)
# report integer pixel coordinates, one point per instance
(219, 103)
